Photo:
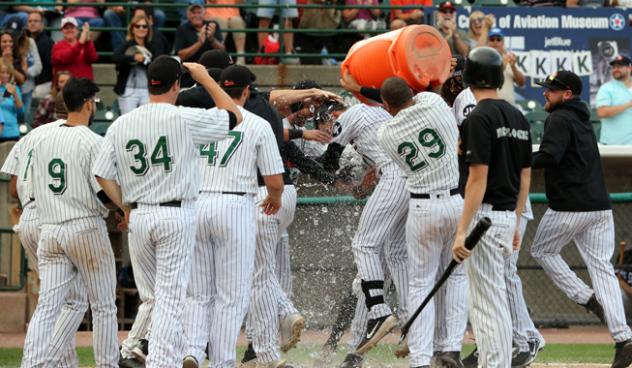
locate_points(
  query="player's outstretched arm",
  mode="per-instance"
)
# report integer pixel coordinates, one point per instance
(525, 183)
(221, 98)
(272, 202)
(474, 193)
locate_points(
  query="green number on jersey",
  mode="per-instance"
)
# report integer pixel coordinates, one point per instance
(28, 164)
(427, 138)
(210, 151)
(159, 156)
(57, 171)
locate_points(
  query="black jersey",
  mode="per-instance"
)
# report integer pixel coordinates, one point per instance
(573, 176)
(496, 134)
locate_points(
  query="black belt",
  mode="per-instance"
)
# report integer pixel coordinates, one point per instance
(427, 196)
(235, 193)
(163, 204)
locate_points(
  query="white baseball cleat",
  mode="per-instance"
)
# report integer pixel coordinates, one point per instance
(290, 329)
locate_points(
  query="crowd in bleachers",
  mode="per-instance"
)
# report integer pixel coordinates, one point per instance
(33, 57)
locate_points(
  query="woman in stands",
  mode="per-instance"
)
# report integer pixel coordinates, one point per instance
(480, 24)
(132, 59)
(10, 102)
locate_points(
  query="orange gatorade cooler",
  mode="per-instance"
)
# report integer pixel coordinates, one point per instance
(416, 53)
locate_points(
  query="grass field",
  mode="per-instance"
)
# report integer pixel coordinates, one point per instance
(382, 356)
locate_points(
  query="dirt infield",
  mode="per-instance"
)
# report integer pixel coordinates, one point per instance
(584, 335)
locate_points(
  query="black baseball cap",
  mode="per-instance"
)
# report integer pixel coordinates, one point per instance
(621, 60)
(236, 76)
(163, 71)
(215, 73)
(216, 59)
(561, 81)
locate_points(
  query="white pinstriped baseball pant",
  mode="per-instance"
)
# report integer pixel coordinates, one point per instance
(77, 248)
(430, 233)
(488, 301)
(76, 303)
(382, 217)
(218, 294)
(162, 238)
(269, 301)
(593, 233)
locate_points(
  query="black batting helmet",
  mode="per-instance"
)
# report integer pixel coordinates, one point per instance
(484, 68)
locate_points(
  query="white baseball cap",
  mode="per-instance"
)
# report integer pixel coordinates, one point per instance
(69, 20)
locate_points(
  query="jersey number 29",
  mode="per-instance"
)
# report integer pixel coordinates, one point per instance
(159, 155)
(428, 138)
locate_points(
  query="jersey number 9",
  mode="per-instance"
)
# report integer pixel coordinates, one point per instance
(57, 171)
(428, 138)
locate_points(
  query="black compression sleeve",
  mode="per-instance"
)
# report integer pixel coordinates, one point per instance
(330, 159)
(232, 120)
(104, 198)
(372, 93)
(295, 133)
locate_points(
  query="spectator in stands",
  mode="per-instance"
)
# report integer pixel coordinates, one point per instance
(115, 16)
(363, 19)
(195, 36)
(10, 53)
(132, 59)
(44, 48)
(10, 104)
(76, 52)
(159, 41)
(52, 107)
(614, 104)
(319, 18)
(446, 24)
(86, 14)
(513, 75)
(541, 3)
(50, 12)
(229, 18)
(403, 17)
(25, 50)
(480, 24)
(287, 14)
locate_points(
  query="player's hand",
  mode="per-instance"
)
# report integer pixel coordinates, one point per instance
(198, 72)
(516, 240)
(316, 135)
(459, 252)
(349, 83)
(271, 205)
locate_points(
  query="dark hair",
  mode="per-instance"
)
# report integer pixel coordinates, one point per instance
(148, 10)
(395, 92)
(306, 84)
(235, 92)
(77, 91)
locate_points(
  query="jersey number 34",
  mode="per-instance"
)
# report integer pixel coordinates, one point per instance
(159, 155)
(428, 138)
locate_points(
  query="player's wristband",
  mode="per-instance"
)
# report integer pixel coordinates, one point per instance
(295, 133)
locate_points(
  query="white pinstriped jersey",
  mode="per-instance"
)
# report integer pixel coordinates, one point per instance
(61, 169)
(19, 159)
(231, 164)
(463, 104)
(358, 126)
(422, 140)
(152, 151)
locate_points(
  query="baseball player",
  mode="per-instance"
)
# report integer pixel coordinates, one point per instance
(422, 140)
(579, 209)
(152, 152)
(496, 152)
(74, 240)
(381, 223)
(526, 337)
(74, 308)
(225, 252)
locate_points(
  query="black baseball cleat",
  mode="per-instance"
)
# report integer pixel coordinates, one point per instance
(130, 363)
(471, 361)
(521, 359)
(142, 350)
(352, 361)
(447, 359)
(622, 354)
(535, 346)
(249, 354)
(592, 305)
(376, 330)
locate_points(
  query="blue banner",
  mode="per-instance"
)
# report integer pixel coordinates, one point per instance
(546, 40)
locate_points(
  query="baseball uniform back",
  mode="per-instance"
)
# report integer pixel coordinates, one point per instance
(422, 140)
(152, 152)
(74, 241)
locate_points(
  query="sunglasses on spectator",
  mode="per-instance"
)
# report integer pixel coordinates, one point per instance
(495, 39)
(139, 26)
(478, 20)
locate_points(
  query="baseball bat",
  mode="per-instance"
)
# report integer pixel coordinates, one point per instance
(470, 242)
